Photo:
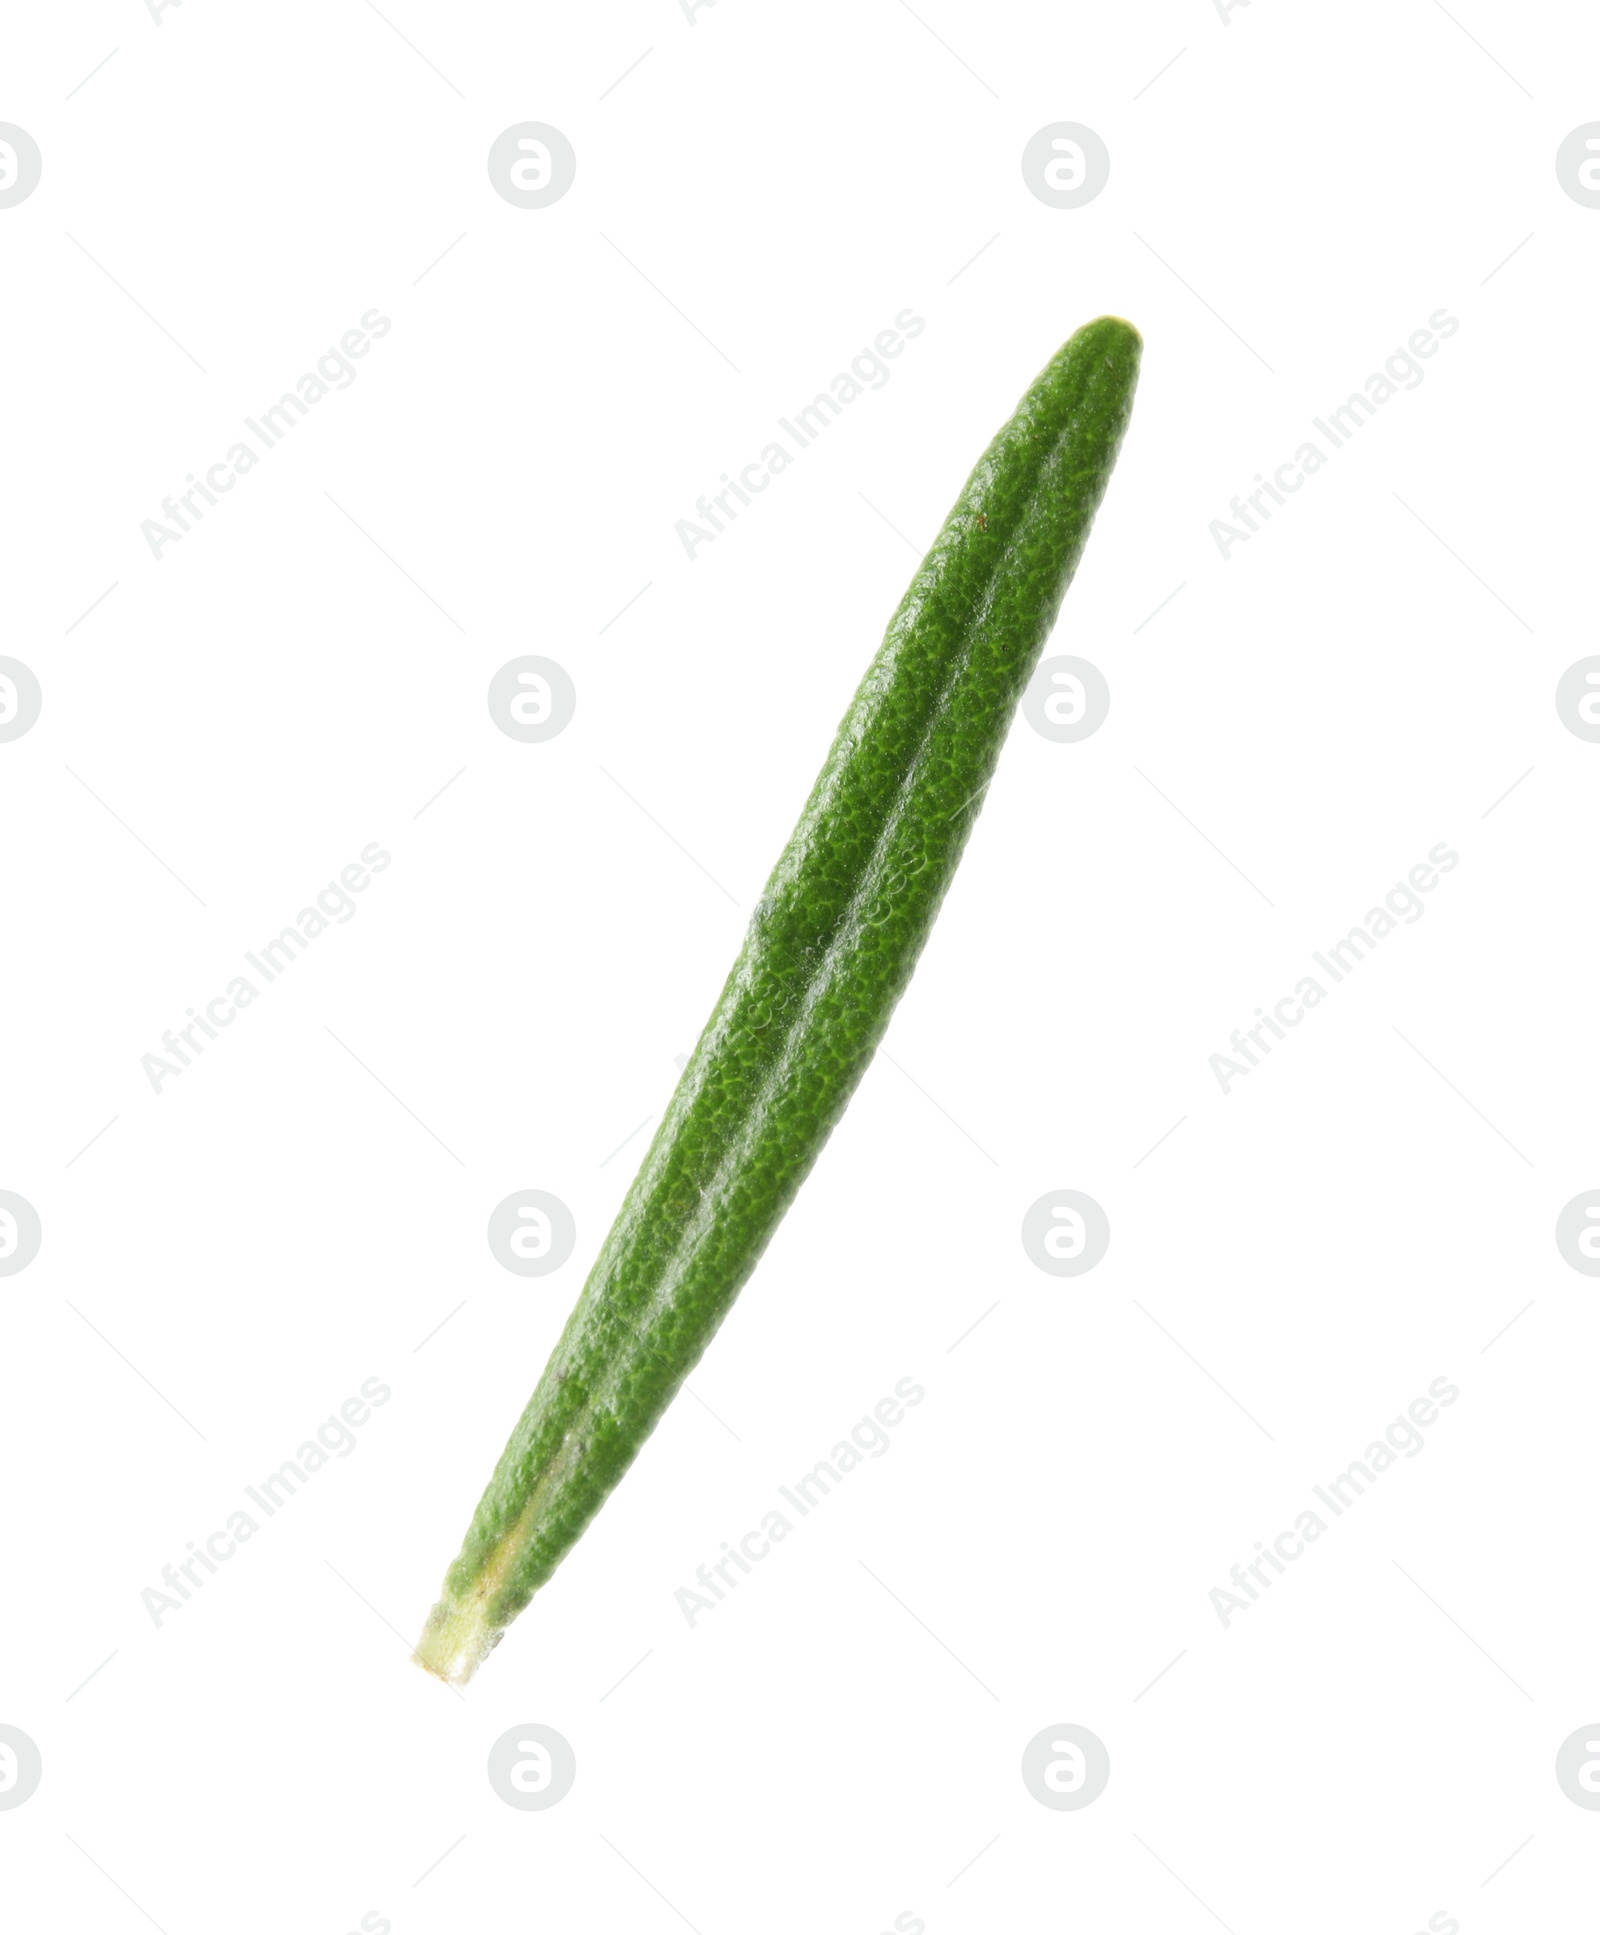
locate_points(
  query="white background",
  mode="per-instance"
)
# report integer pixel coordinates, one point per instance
(305, 1207)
